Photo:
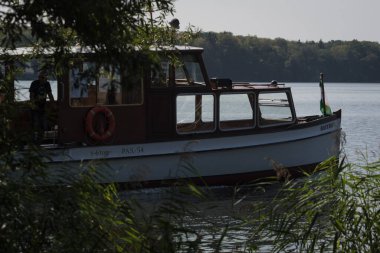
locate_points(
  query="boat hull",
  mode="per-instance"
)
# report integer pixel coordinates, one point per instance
(214, 161)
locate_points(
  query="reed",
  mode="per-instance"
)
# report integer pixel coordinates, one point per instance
(334, 209)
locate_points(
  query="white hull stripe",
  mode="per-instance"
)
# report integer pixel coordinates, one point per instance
(200, 145)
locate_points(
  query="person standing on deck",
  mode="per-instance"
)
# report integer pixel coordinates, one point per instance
(38, 90)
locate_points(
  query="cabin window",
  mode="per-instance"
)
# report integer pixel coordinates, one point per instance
(26, 73)
(195, 113)
(160, 75)
(109, 87)
(236, 111)
(105, 85)
(185, 70)
(188, 71)
(82, 85)
(274, 109)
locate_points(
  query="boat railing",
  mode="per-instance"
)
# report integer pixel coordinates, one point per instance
(51, 136)
(258, 84)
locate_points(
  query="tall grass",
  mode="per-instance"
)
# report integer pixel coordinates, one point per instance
(335, 209)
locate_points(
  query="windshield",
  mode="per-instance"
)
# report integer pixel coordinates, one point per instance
(185, 68)
(188, 71)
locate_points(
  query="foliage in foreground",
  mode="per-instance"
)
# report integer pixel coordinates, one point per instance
(81, 217)
(337, 210)
(334, 210)
(85, 216)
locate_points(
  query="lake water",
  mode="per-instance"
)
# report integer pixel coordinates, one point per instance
(360, 104)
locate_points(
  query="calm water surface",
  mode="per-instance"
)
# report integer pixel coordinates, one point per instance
(360, 104)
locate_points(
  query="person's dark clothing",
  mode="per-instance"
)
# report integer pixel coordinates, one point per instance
(39, 121)
(40, 92)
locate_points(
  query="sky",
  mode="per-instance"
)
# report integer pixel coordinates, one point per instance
(304, 20)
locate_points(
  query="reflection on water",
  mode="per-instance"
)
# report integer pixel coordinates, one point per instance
(219, 220)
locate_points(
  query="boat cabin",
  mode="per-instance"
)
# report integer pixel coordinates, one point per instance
(104, 105)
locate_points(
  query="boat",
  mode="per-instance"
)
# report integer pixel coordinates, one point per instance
(174, 123)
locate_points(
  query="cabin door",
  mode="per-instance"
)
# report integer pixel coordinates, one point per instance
(160, 121)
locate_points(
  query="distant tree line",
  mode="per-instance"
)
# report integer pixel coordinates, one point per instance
(249, 58)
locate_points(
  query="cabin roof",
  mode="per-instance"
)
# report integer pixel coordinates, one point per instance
(257, 86)
(86, 50)
(183, 48)
(45, 51)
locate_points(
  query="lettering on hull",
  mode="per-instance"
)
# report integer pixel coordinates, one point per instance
(100, 153)
(327, 126)
(116, 152)
(132, 150)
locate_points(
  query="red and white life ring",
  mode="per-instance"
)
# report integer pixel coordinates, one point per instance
(110, 122)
